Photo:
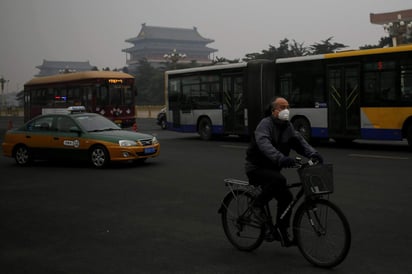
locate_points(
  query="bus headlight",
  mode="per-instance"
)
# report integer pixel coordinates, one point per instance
(127, 143)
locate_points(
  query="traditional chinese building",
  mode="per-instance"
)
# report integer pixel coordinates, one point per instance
(397, 23)
(56, 67)
(155, 44)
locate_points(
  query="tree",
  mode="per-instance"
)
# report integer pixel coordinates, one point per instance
(297, 49)
(326, 47)
(383, 42)
(285, 49)
(222, 60)
(149, 84)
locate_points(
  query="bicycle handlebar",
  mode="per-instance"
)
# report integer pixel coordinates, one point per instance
(310, 162)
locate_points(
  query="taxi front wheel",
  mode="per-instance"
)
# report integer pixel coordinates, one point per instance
(99, 156)
(22, 155)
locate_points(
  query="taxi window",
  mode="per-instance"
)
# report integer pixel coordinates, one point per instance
(41, 124)
(64, 124)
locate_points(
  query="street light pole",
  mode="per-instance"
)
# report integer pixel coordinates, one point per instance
(2, 82)
(174, 57)
(399, 30)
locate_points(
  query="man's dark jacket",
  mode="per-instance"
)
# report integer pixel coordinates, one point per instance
(273, 139)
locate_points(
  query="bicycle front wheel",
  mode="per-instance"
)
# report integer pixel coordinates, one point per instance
(242, 228)
(322, 233)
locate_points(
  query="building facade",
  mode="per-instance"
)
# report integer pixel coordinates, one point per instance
(56, 67)
(158, 45)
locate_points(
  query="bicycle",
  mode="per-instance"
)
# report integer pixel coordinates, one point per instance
(319, 227)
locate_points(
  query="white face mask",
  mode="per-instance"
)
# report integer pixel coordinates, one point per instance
(283, 115)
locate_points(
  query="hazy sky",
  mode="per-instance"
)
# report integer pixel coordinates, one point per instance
(95, 30)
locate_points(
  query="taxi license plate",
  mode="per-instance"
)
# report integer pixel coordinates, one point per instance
(119, 122)
(149, 150)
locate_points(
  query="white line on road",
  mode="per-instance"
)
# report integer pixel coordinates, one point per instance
(378, 156)
(233, 146)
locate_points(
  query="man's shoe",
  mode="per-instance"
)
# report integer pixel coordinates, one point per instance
(259, 214)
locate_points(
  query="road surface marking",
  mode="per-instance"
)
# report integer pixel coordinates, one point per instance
(233, 146)
(378, 156)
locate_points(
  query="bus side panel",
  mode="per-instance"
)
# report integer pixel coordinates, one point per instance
(215, 116)
(383, 123)
(188, 123)
(317, 117)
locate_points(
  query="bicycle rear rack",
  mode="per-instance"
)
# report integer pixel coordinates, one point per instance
(236, 184)
(236, 181)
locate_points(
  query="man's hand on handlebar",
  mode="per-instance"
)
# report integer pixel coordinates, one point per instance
(316, 158)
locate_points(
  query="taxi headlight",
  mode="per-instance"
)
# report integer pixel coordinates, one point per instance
(127, 143)
(154, 140)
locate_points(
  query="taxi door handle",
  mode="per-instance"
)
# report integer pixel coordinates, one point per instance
(55, 138)
(28, 136)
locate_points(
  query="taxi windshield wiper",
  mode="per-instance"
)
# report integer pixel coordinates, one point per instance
(103, 129)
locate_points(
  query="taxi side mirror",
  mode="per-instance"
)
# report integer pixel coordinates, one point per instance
(75, 130)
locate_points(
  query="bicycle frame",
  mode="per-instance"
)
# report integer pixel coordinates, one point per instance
(235, 184)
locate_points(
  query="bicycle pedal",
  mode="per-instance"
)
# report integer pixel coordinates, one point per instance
(271, 237)
(285, 241)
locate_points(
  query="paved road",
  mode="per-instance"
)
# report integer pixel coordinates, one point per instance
(161, 217)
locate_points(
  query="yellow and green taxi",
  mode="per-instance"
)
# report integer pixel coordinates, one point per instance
(77, 135)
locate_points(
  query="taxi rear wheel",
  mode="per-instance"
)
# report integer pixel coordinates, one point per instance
(22, 155)
(99, 156)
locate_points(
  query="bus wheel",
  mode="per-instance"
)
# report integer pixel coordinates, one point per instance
(205, 129)
(163, 123)
(303, 127)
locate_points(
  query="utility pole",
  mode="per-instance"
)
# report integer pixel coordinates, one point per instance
(2, 82)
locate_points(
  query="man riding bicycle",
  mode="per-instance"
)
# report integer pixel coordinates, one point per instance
(268, 153)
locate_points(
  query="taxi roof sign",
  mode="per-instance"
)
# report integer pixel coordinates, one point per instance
(69, 110)
(76, 109)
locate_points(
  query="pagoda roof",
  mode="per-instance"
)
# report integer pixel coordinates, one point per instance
(169, 33)
(384, 18)
(65, 64)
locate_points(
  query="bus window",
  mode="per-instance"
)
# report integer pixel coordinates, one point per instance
(285, 85)
(387, 86)
(39, 97)
(173, 93)
(406, 83)
(190, 92)
(128, 97)
(370, 89)
(103, 97)
(73, 97)
(60, 97)
(115, 96)
(380, 84)
(319, 90)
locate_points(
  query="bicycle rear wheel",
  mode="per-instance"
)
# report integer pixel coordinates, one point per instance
(322, 233)
(242, 227)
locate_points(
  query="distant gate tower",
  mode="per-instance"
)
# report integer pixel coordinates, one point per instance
(397, 23)
(153, 43)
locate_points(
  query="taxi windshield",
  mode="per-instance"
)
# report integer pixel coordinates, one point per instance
(94, 123)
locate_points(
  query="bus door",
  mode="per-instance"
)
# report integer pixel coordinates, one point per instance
(233, 104)
(186, 115)
(344, 102)
(174, 98)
